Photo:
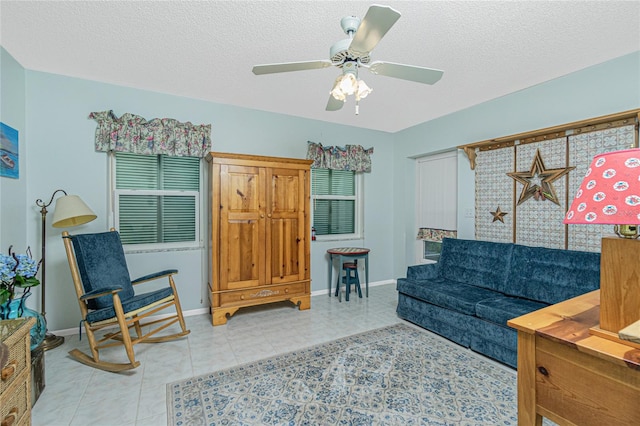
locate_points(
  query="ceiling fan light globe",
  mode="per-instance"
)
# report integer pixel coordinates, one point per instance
(336, 91)
(363, 90)
(348, 84)
(337, 94)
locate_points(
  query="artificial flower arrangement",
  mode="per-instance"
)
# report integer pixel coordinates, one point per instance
(17, 271)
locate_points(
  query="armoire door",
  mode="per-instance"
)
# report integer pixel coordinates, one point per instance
(285, 231)
(242, 227)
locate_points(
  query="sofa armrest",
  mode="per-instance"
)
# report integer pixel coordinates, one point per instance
(422, 272)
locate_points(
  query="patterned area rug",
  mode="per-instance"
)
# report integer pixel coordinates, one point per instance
(396, 375)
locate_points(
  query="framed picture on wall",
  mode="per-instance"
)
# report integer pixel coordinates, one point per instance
(9, 152)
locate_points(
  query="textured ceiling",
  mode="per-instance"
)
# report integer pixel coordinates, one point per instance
(206, 50)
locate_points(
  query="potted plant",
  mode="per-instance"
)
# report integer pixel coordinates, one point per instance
(17, 276)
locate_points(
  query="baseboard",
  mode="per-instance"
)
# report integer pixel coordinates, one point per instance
(373, 284)
(200, 311)
(192, 312)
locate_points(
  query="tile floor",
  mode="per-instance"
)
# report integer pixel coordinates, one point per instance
(79, 395)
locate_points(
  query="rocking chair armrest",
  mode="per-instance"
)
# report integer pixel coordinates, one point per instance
(155, 276)
(101, 292)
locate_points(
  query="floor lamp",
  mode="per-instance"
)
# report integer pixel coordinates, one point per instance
(69, 210)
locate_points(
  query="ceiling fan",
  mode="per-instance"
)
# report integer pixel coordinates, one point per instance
(353, 53)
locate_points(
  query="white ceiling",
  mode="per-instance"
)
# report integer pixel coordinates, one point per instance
(206, 50)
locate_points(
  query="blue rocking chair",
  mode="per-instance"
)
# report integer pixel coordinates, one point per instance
(108, 301)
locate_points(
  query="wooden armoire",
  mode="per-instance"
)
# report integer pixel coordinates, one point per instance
(259, 248)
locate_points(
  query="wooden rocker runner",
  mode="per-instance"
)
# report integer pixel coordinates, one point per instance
(108, 301)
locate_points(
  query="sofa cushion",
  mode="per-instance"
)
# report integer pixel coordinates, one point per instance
(102, 265)
(447, 294)
(502, 309)
(477, 263)
(450, 324)
(136, 302)
(551, 275)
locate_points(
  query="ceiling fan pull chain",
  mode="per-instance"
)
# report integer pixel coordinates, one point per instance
(357, 107)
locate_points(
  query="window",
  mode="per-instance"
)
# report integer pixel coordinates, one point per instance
(157, 200)
(436, 199)
(337, 203)
(432, 250)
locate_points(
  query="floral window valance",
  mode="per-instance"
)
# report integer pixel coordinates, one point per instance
(132, 133)
(351, 157)
(437, 235)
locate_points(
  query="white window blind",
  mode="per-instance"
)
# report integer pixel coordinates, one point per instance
(336, 202)
(157, 199)
(436, 199)
(437, 189)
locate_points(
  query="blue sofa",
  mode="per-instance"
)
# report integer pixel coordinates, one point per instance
(477, 286)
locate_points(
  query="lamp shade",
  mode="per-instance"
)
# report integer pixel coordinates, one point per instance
(610, 191)
(71, 211)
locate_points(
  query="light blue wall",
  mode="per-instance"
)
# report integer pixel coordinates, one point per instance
(61, 155)
(58, 153)
(607, 88)
(13, 191)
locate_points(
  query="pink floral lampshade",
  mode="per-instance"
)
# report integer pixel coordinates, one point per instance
(610, 191)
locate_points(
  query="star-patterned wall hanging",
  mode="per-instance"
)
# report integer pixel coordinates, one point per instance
(538, 180)
(498, 215)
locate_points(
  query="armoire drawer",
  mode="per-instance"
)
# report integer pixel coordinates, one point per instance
(279, 292)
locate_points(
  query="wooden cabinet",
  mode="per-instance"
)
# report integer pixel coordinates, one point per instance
(15, 382)
(569, 375)
(259, 248)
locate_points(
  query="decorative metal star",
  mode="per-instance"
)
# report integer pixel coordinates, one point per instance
(538, 180)
(498, 215)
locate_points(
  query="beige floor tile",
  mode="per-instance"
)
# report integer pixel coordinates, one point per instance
(76, 394)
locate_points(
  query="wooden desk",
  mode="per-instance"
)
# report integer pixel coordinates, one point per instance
(353, 253)
(570, 376)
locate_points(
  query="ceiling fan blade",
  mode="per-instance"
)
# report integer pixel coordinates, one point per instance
(334, 104)
(290, 66)
(376, 23)
(406, 72)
